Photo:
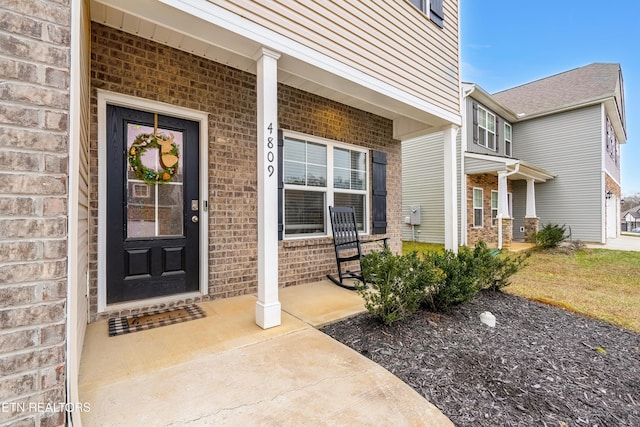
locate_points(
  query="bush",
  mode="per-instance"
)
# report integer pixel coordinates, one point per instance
(550, 236)
(397, 284)
(470, 271)
(494, 270)
(461, 282)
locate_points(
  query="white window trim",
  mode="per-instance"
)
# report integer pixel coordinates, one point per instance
(494, 209)
(473, 204)
(486, 130)
(510, 141)
(425, 8)
(329, 190)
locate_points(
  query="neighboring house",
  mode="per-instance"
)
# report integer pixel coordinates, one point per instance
(544, 152)
(271, 112)
(630, 219)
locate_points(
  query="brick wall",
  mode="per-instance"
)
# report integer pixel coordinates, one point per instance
(34, 142)
(127, 64)
(312, 259)
(487, 233)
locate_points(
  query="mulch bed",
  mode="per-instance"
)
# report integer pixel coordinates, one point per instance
(540, 365)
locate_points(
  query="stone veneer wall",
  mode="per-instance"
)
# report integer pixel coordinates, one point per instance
(34, 146)
(487, 233)
(131, 65)
(531, 226)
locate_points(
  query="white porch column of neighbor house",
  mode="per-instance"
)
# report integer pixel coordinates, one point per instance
(450, 189)
(531, 199)
(268, 307)
(503, 205)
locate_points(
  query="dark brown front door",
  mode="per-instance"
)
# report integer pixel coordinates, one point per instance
(152, 227)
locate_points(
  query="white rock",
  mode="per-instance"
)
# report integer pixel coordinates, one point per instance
(488, 319)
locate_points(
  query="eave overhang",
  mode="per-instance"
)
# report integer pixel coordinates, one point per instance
(522, 170)
(210, 31)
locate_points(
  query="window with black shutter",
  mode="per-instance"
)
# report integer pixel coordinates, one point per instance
(280, 185)
(475, 123)
(485, 131)
(314, 173)
(436, 12)
(379, 192)
(497, 135)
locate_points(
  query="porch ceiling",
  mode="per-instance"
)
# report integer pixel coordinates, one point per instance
(197, 32)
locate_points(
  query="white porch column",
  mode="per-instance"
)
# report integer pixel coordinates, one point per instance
(268, 306)
(531, 199)
(450, 189)
(503, 202)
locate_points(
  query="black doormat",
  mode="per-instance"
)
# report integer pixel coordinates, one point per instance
(154, 319)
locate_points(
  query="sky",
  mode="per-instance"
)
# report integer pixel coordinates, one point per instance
(505, 43)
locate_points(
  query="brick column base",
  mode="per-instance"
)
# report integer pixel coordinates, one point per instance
(530, 228)
(507, 232)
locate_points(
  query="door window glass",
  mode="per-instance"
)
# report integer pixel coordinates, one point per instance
(154, 210)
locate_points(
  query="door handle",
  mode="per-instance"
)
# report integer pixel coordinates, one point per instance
(194, 219)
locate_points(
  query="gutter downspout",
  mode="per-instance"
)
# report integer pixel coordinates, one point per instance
(503, 175)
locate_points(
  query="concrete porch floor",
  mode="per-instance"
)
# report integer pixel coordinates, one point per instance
(518, 246)
(225, 370)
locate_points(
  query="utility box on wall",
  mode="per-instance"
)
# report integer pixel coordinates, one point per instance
(414, 218)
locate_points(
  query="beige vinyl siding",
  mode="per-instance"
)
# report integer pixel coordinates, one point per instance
(461, 185)
(79, 202)
(388, 39)
(83, 185)
(423, 185)
(570, 145)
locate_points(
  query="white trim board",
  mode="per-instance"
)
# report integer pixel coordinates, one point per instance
(112, 98)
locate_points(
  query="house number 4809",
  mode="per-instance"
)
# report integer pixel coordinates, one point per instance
(270, 154)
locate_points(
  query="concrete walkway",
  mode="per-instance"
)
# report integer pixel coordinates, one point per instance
(622, 243)
(225, 370)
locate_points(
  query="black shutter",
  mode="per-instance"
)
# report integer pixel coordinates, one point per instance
(475, 123)
(280, 185)
(437, 12)
(497, 144)
(379, 192)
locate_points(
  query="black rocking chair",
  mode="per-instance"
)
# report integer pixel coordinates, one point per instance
(346, 242)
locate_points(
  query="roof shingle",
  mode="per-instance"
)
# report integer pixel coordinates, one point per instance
(580, 85)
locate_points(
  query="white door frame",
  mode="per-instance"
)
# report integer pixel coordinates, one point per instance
(112, 98)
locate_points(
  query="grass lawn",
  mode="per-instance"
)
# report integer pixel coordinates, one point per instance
(599, 283)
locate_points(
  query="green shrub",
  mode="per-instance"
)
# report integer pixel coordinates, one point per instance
(460, 283)
(493, 270)
(550, 236)
(397, 284)
(468, 272)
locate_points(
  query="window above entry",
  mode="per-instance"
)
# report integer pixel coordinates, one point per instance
(434, 9)
(508, 140)
(485, 128)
